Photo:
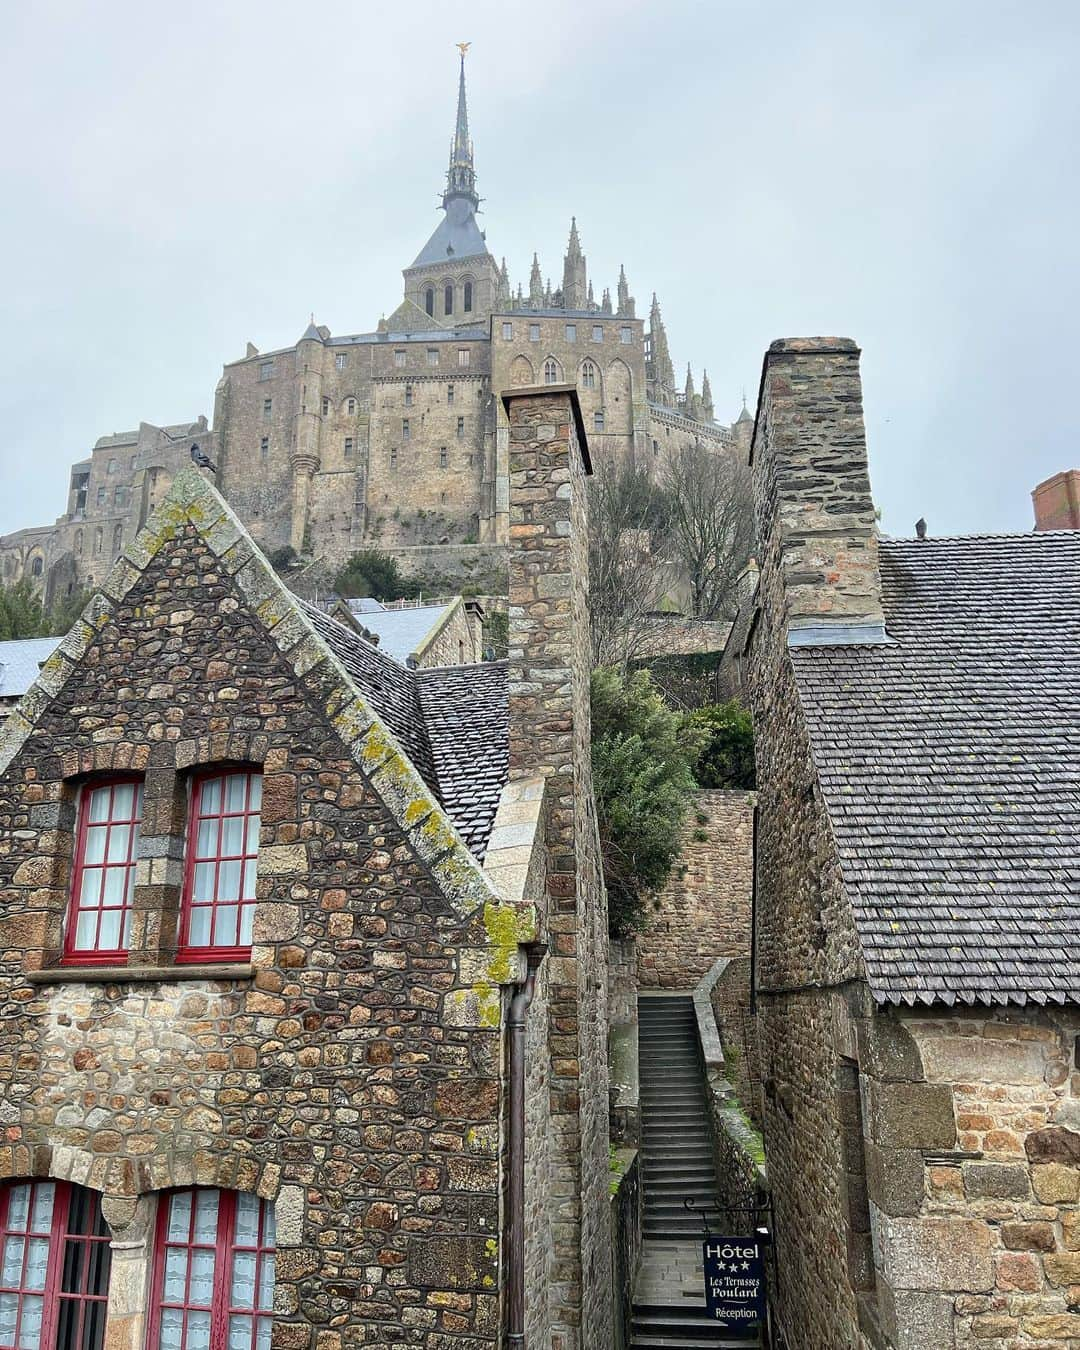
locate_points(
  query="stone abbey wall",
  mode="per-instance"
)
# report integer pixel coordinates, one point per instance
(704, 909)
(343, 1076)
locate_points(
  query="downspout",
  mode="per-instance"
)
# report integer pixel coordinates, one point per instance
(515, 1241)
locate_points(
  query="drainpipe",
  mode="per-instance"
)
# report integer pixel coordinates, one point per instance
(515, 1242)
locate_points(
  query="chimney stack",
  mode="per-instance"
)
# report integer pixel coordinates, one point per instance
(815, 516)
(1057, 502)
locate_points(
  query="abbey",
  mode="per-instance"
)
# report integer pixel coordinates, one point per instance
(396, 438)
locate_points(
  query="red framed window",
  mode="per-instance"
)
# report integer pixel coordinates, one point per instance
(213, 1285)
(54, 1267)
(103, 884)
(219, 885)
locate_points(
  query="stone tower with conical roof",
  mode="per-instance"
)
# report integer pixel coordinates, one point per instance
(454, 281)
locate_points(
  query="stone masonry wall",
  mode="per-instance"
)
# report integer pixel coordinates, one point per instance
(704, 909)
(549, 733)
(973, 1175)
(338, 1076)
(738, 1028)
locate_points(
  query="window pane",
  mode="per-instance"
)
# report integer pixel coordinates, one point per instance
(9, 1316)
(123, 799)
(210, 795)
(199, 926)
(256, 791)
(206, 840)
(235, 791)
(179, 1217)
(206, 1216)
(176, 1261)
(109, 932)
(95, 846)
(262, 1334)
(247, 1219)
(41, 1218)
(37, 1262)
(201, 1280)
(114, 883)
(243, 1280)
(11, 1270)
(99, 804)
(204, 881)
(171, 1335)
(232, 836)
(266, 1275)
(228, 886)
(247, 921)
(86, 930)
(198, 1331)
(30, 1331)
(18, 1207)
(226, 932)
(119, 841)
(240, 1333)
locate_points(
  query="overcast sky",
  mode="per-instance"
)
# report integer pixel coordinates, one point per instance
(180, 179)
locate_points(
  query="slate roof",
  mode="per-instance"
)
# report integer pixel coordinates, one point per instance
(950, 766)
(453, 723)
(20, 663)
(456, 236)
(400, 631)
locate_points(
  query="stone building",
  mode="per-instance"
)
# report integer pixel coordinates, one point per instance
(110, 496)
(274, 911)
(918, 914)
(446, 634)
(395, 437)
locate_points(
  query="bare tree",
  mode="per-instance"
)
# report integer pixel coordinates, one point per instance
(710, 525)
(628, 577)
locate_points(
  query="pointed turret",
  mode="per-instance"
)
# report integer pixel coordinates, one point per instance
(590, 303)
(660, 370)
(504, 284)
(605, 302)
(689, 393)
(743, 430)
(536, 284)
(311, 333)
(575, 286)
(706, 397)
(626, 300)
(461, 175)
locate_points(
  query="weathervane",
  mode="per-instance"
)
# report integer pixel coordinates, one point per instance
(463, 47)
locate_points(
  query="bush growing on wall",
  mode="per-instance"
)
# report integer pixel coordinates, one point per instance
(643, 755)
(727, 756)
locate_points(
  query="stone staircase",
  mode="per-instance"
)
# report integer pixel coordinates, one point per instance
(677, 1158)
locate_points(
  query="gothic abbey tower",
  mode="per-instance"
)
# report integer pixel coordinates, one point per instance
(396, 438)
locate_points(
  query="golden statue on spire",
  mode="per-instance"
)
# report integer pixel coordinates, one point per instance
(463, 47)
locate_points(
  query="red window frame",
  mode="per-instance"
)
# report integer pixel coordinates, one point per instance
(97, 955)
(206, 915)
(72, 1314)
(225, 1247)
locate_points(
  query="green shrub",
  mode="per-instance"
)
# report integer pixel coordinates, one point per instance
(727, 756)
(643, 754)
(23, 615)
(373, 574)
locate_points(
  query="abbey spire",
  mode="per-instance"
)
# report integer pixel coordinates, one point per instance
(461, 175)
(575, 284)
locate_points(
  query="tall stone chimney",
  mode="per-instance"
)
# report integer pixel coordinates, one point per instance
(549, 675)
(1057, 502)
(816, 523)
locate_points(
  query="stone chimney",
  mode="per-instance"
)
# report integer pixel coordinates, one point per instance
(815, 515)
(549, 674)
(1057, 502)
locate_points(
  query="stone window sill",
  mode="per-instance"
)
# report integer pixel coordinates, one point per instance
(139, 974)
